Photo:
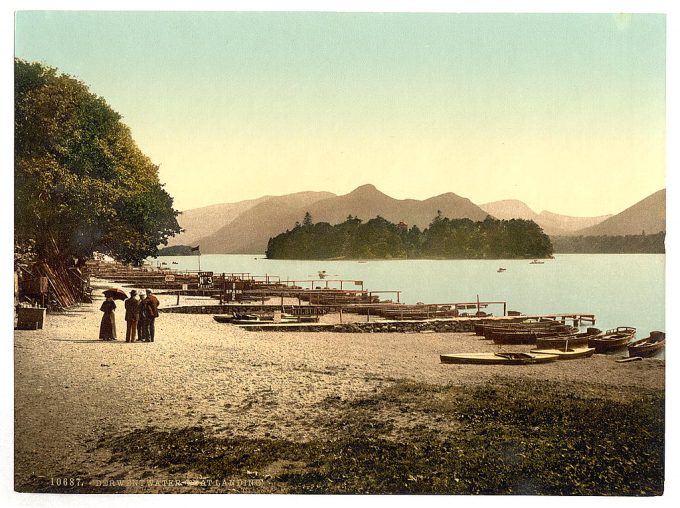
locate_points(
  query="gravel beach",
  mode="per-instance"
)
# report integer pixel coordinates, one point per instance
(72, 391)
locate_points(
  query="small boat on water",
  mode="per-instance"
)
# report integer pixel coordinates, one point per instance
(536, 262)
(497, 358)
(500, 270)
(568, 353)
(649, 346)
(612, 340)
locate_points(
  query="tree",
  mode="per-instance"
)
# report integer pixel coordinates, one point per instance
(307, 221)
(81, 183)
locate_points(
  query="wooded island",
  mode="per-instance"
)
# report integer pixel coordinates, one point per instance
(379, 238)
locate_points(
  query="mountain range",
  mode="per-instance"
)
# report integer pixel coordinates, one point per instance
(246, 226)
(551, 223)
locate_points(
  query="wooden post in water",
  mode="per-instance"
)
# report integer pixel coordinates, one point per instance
(341, 314)
(178, 296)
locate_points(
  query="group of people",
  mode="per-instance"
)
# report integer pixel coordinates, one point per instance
(140, 315)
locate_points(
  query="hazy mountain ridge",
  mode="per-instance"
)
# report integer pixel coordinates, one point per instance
(200, 222)
(551, 223)
(647, 215)
(245, 227)
(250, 232)
(509, 209)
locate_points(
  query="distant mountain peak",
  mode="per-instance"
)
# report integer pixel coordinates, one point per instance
(509, 209)
(365, 189)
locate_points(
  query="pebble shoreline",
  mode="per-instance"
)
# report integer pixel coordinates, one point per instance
(71, 389)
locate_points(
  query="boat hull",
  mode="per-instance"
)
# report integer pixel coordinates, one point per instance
(649, 346)
(494, 359)
(612, 340)
(569, 354)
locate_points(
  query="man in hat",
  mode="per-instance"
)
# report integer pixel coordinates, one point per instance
(131, 316)
(150, 313)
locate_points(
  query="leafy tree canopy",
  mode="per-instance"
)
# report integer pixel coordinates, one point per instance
(81, 183)
(444, 238)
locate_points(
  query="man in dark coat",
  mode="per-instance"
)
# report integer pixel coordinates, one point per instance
(131, 316)
(150, 312)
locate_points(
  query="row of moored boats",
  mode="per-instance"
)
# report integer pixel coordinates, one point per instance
(555, 340)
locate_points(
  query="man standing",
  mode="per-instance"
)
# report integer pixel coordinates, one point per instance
(150, 310)
(131, 316)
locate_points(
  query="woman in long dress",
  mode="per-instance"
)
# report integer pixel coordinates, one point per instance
(107, 328)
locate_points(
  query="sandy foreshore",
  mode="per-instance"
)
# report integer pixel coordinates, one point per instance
(73, 391)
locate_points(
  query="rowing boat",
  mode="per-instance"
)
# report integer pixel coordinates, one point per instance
(567, 354)
(577, 340)
(649, 346)
(497, 358)
(611, 340)
(528, 335)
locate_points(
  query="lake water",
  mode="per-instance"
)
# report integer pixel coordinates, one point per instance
(620, 289)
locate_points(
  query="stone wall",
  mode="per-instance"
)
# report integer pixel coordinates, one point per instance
(431, 326)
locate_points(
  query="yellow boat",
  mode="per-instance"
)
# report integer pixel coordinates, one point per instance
(497, 358)
(567, 354)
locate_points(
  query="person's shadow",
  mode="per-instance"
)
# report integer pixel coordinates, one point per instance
(92, 341)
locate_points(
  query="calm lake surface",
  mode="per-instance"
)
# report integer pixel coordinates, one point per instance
(620, 289)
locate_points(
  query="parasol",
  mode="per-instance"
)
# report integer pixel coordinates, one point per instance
(116, 293)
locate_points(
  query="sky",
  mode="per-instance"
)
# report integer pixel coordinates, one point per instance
(565, 112)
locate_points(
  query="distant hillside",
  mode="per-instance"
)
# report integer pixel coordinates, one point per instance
(551, 223)
(200, 222)
(555, 224)
(648, 215)
(509, 209)
(250, 232)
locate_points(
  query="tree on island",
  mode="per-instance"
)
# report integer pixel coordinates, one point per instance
(81, 183)
(307, 220)
(445, 238)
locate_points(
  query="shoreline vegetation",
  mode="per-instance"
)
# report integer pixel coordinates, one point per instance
(445, 238)
(608, 244)
(178, 250)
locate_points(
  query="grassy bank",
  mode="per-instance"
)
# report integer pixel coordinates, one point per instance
(504, 437)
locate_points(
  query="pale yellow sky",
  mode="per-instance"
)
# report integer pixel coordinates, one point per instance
(565, 112)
